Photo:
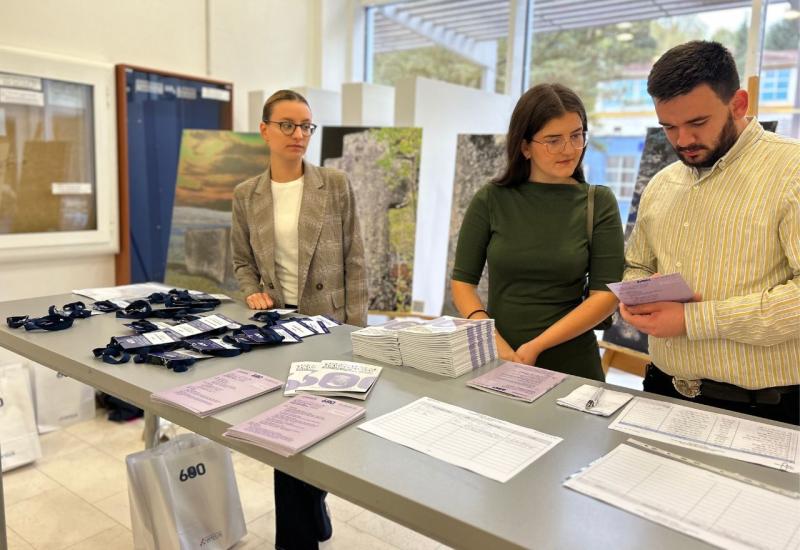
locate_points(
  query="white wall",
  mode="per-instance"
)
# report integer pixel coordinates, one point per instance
(259, 45)
(153, 33)
(365, 104)
(443, 111)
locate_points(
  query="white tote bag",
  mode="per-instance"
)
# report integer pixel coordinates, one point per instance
(19, 440)
(183, 495)
(60, 400)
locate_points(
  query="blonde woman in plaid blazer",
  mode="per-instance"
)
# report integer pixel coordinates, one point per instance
(325, 273)
(296, 241)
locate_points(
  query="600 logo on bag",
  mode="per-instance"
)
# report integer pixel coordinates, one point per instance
(192, 472)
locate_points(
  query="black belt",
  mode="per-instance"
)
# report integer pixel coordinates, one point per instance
(723, 391)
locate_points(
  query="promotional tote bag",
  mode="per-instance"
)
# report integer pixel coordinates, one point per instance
(183, 495)
(19, 439)
(60, 400)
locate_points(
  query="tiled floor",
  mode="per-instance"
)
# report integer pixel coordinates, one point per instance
(75, 497)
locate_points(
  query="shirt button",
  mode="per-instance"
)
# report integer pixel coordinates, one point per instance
(678, 264)
(668, 344)
(685, 224)
(319, 286)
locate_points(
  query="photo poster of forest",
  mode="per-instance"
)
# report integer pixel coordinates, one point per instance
(211, 164)
(382, 165)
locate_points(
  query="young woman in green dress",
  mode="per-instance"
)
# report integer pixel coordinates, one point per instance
(530, 225)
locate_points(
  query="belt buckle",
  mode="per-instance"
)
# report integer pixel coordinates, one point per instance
(687, 388)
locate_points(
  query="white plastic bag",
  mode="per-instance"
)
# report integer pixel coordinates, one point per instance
(60, 400)
(183, 495)
(19, 440)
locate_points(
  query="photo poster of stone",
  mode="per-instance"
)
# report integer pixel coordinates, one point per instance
(383, 167)
(211, 163)
(656, 155)
(479, 158)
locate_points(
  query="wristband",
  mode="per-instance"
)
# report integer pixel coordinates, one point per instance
(477, 311)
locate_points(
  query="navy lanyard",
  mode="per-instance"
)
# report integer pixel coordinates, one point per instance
(54, 320)
(49, 323)
(269, 318)
(106, 306)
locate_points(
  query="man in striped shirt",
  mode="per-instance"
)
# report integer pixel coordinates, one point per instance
(727, 217)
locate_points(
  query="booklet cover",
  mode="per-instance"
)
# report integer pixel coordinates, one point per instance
(205, 397)
(663, 288)
(295, 425)
(332, 378)
(517, 381)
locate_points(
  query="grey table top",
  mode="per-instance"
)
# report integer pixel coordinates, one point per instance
(455, 506)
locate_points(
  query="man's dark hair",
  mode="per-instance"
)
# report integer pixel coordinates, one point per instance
(684, 67)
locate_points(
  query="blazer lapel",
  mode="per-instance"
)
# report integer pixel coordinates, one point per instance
(312, 215)
(263, 220)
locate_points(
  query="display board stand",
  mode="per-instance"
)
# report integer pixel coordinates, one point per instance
(153, 109)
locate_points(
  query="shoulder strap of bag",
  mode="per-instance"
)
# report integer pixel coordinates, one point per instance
(590, 213)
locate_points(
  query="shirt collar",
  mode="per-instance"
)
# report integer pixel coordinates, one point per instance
(751, 134)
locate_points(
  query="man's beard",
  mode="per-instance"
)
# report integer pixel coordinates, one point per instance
(727, 137)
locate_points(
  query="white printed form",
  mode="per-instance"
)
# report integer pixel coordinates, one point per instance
(707, 505)
(715, 433)
(488, 446)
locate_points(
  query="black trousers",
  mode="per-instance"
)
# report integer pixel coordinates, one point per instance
(295, 505)
(788, 410)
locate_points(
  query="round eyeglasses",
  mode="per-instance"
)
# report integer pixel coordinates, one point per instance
(557, 144)
(287, 127)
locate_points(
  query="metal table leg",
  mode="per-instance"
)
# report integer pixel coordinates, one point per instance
(3, 542)
(151, 423)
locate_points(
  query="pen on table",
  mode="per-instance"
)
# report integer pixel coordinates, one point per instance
(595, 400)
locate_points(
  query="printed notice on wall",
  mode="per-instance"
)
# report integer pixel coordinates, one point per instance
(215, 93)
(71, 188)
(21, 97)
(20, 81)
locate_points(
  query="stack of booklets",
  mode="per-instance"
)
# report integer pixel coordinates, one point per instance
(296, 424)
(448, 346)
(381, 342)
(206, 397)
(332, 378)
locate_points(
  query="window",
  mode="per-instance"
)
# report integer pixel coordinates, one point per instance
(621, 174)
(47, 168)
(775, 85)
(461, 42)
(625, 94)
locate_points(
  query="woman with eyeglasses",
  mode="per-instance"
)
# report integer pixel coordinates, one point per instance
(530, 225)
(296, 242)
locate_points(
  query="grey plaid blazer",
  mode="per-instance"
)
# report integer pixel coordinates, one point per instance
(332, 278)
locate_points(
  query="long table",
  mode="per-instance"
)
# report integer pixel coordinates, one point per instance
(457, 507)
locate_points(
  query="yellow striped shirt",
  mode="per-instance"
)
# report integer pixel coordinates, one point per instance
(734, 235)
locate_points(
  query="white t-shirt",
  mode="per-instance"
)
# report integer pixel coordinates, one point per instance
(286, 199)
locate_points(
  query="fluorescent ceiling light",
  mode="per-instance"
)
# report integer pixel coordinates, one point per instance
(624, 37)
(791, 14)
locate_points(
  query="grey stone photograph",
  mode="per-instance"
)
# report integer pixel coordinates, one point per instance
(479, 158)
(383, 167)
